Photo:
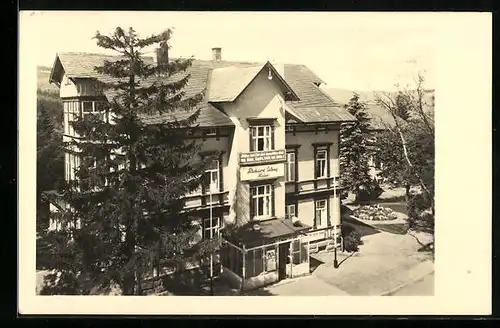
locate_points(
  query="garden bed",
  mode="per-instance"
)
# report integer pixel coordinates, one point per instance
(375, 213)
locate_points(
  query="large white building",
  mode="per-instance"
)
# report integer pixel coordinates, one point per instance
(277, 179)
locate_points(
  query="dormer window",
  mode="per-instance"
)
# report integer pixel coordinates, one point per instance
(211, 132)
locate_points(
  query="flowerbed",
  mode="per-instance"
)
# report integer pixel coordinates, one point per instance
(375, 213)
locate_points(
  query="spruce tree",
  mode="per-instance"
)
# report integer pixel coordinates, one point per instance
(353, 148)
(50, 159)
(124, 216)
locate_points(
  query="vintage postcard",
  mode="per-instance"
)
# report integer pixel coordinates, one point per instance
(274, 163)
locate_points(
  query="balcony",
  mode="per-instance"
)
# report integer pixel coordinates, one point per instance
(202, 201)
(311, 186)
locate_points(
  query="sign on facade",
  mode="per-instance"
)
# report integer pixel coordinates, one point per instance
(259, 172)
(271, 260)
(263, 157)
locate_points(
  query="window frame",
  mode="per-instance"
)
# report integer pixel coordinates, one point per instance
(318, 220)
(215, 168)
(317, 161)
(71, 114)
(287, 210)
(267, 137)
(103, 113)
(290, 167)
(215, 228)
(267, 202)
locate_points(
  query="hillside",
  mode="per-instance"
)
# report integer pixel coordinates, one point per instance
(43, 84)
(380, 117)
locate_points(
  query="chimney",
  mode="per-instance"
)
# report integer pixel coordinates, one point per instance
(216, 54)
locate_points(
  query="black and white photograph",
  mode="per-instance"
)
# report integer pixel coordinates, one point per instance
(225, 154)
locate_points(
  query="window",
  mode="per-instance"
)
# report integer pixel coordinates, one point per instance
(98, 108)
(211, 228)
(290, 166)
(71, 113)
(211, 132)
(261, 201)
(261, 138)
(321, 213)
(72, 163)
(290, 211)
(299, 252)
(212, 177)
(321, 163)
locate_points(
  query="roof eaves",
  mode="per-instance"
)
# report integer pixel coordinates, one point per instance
(282, 80)
(51, 76)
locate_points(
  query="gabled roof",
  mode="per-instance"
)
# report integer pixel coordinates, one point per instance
(227, 83)
(223, 81)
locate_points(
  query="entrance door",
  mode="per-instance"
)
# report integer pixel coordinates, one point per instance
(284, 251)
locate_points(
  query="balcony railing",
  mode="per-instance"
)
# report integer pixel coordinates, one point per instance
(203, 200)
(310, 186)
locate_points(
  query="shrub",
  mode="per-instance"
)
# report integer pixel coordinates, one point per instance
(352, 239)
(369, 192)
(420, 217)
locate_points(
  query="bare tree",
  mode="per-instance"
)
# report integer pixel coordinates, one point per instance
(420, 116)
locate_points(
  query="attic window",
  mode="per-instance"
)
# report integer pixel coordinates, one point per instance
(67, 81)
(211, 132)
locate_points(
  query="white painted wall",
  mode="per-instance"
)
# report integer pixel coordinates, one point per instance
(261, 99)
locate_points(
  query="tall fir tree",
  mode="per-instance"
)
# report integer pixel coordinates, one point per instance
(354, 151)
(124, 216)
(50, 159)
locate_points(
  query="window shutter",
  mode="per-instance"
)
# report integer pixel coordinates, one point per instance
(272, 201)
(251, 139)
(252, 209)
(272, 137)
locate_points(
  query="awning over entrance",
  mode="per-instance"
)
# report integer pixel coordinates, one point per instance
(262, 232)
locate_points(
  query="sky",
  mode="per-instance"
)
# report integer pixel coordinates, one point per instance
(355, 51)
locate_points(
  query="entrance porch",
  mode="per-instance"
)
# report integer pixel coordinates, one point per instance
(264, 252)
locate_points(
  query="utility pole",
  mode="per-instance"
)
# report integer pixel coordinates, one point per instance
(335, 230)
(211, 237)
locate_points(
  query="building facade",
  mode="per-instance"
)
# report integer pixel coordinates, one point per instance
(273, 194)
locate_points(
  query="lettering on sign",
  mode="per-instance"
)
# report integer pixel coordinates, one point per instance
(262, 172)
(263, 157)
